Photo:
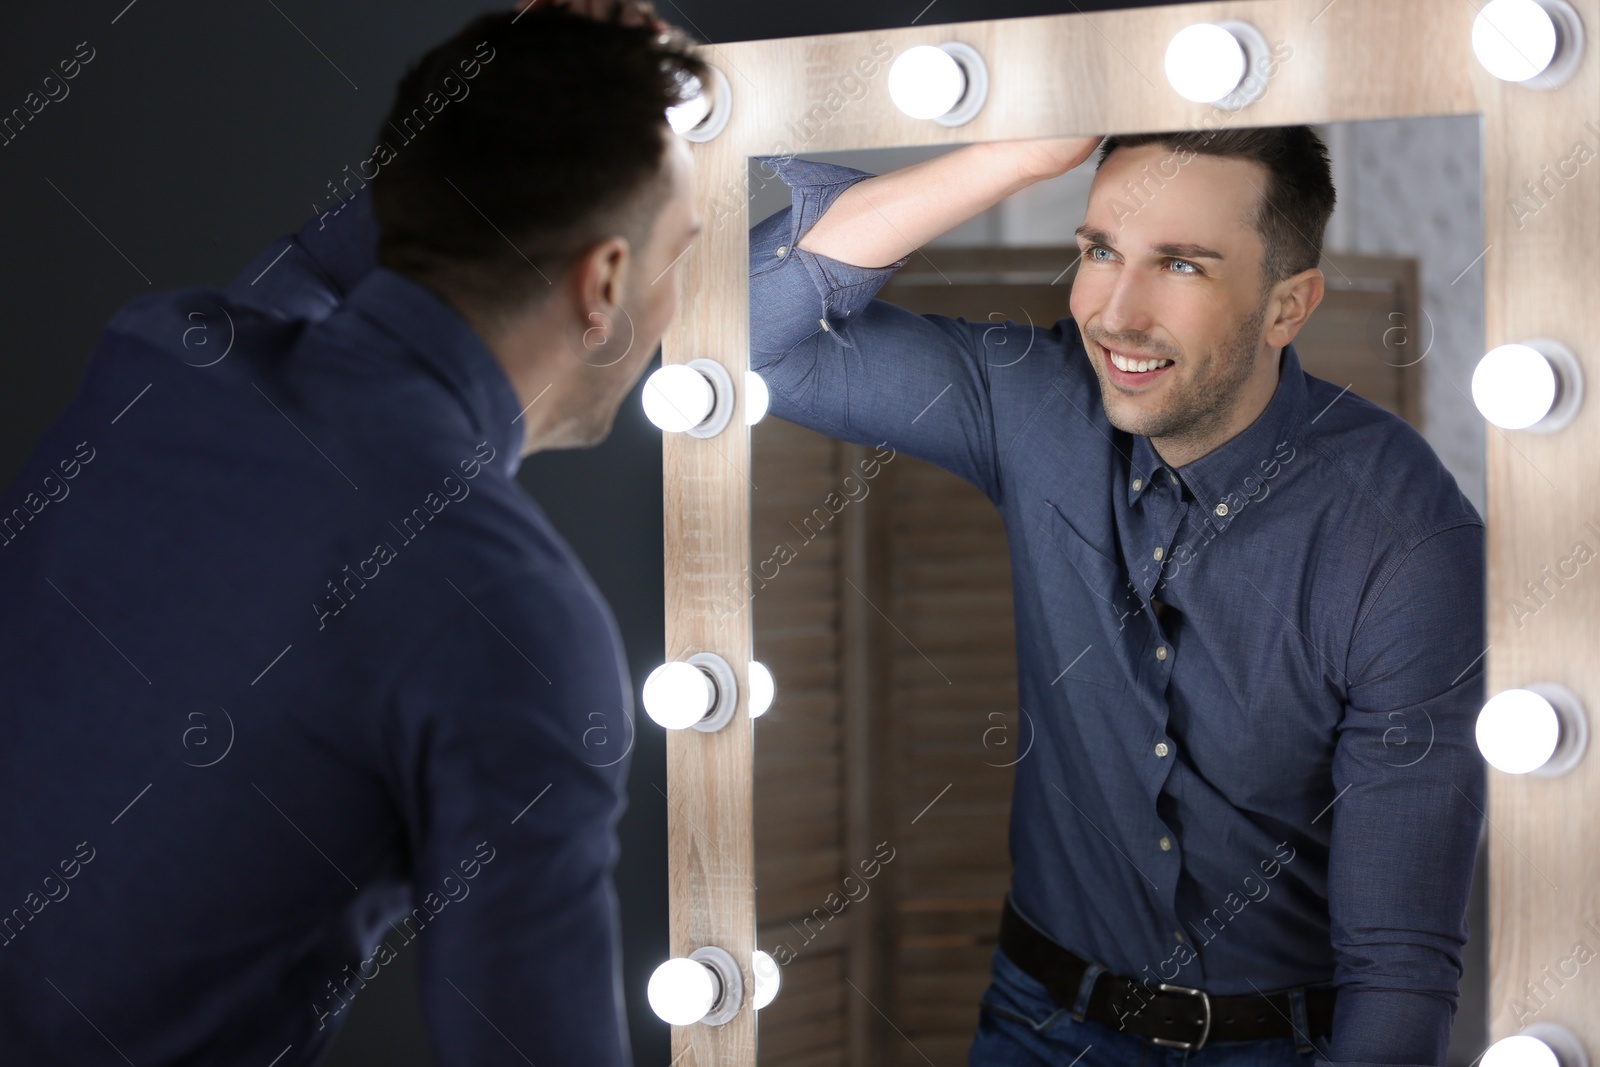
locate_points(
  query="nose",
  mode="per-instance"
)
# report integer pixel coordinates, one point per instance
(1126, 309)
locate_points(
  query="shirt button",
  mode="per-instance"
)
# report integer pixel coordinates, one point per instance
(1161, 652)
(1138, 483)
(1157, 553)
(826, 329)
(1177, 935)
(1161, 748)
(1174, 478)
(1166, 844)
(782, 251)
(1221, 510)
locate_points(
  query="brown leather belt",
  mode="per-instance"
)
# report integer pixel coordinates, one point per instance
(1173, 1016)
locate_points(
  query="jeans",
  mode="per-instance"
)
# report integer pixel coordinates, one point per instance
(1019, 1025)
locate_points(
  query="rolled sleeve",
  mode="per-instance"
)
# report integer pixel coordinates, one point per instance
(856, 368)
(1408, 812)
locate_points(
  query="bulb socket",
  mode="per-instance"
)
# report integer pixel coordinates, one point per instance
(730, 994)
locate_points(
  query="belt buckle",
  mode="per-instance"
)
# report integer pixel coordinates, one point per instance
(1205, 1028)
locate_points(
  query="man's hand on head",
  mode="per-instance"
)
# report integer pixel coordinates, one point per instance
(624, 12)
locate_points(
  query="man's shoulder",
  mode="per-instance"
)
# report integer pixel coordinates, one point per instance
(197, 325)
(1383, 461)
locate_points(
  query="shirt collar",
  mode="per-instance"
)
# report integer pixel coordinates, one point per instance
(420, 320)
(1217, 479)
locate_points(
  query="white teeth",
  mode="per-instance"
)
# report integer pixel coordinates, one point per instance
(1136, 366)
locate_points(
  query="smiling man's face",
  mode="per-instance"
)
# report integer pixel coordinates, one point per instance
(1172, 290)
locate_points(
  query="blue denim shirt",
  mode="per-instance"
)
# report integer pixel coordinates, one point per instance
(289, 657)
(1250, 681)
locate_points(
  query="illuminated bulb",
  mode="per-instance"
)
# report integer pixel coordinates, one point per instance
(677, 695)
(1517, 731)
(1540, 1045)
(1532, 386)
(761, 690)
(1212, 62)
(677, 398)
(689, 114)
(695, 398)
(925, 82)
(1514, 387)
(1205, 62)
(682, 991)
(1518, 40)
(756, 397)
(1538, 730)
(947, 83)
(768, 978)
(1514, 39)
(704, 111)
(1520, 1051)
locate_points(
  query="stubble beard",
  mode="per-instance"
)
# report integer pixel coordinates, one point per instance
(1198, 406)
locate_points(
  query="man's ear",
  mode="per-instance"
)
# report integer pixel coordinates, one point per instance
(1294, 300)
(600, 281)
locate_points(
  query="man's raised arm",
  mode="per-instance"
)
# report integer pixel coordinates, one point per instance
(859, 369)
(878, 221)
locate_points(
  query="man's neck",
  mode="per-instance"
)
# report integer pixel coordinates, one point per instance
(1179, 449)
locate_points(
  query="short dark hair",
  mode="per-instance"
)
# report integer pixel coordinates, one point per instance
(1298, 198)
(553, 141)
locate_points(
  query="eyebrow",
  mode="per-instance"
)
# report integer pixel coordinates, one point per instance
(1180, 251)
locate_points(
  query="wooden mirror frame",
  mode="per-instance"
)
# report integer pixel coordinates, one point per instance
(1103, 73)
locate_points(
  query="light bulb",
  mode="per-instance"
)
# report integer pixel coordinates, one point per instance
(1532, 386)
(677, 695)
(1542, 730)
(1514, 39)
(678, 398)
(1520, 1051)
(768, 978)
(1517, 731)
(1535, 43)
(687, 115)
(1205, 62)
(761, 690)
(1540, 1045)
(1514, 386)
(756, 397)
(926, 82)
(682, 991)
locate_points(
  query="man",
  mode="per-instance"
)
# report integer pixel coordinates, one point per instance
(1249, 604)
(297, 678)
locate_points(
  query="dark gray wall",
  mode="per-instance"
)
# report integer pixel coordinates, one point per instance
(202, 131)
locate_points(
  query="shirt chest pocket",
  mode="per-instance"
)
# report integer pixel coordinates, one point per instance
(1090, 611)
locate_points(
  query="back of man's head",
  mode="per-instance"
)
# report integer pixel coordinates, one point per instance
(518, 143)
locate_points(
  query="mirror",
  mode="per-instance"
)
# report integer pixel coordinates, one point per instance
(882, 599)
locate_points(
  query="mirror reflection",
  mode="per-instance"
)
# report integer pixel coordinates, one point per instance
(1117, 555)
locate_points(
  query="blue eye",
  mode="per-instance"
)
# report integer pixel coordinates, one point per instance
(1190, 268)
